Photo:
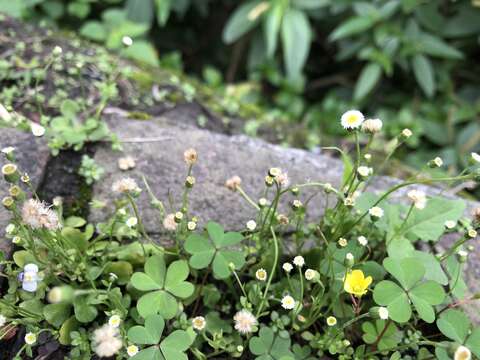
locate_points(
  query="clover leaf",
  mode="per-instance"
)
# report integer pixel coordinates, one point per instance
(409, 272)
(214, 250)
(455, 325)
(164, 286)
(270, 346)
(390, 338)
(173, 347)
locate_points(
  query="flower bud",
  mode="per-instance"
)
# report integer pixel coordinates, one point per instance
(9, 153)
(295, 190)
(178, 217)
(269, 181)
(189, 181)
(328, 188)
(10, 173)
(16, 192)
(8, 203)
(435, 163)
(405, 134)
(262, 202)
(349, 260)
(378, 312)
(462, 256)
(296, 204)
(60, 294)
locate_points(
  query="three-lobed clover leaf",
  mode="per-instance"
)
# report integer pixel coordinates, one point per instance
(455, 325)
(164, 286)
(173, 347)
(270, 346)
(214, 250)
(390, 338)
(409, 272)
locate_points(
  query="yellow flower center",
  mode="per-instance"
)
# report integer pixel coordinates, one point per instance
(352, 119)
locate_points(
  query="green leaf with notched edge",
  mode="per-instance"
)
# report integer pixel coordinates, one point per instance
(454, 324)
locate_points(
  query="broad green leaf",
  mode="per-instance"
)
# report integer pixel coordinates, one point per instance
(429, 291)
(239, 23)
(399, 309)
(389, 294)
(435, 46)
(473, 342)
(407, 271)
(66, 329)
(429, 223)
(84, 312)
(352, 26)
(151, 353)
(155, 268)
(201, 249)
(142, 51)
(140, 11)
(369, 77)
(271, 28)
(74, 221)
(454, 324)
(423, 308)
(433, 268)
(143, 282)
(150, 333)
(230, 238)
(163, 11)
(175, 281)
(179, 340)
(160, 302)
(94, 30)
(222, 260)
(296, 38)
(423, 71)
(57, 314)
(215, 231)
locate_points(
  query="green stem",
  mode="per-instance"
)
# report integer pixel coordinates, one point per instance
(272, 272)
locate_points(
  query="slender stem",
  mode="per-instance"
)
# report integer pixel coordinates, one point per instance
(272, 272)
(246, 197)
(239, 283)
(354, 320)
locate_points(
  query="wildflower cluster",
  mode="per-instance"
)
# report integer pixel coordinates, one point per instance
(354, 284)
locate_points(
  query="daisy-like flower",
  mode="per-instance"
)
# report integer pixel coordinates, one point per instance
(169, 222)
(106, 341)
(115, 321)
(364, 172)
(251, 225)
(283, 219)
(288, 302)
(233, 183)
(126, 163)
(190, 156)
(372, 126)
(282, 179)
(57, 50)
(126, 185)
(418, 198)
(245, 322)
(349, 201)
(342, 242)
(261, 274)
(30, 278)
(296, 204)
(30, 338)
(311, 274)
(352, 119)
(262, 202)
(37, 129)
(362, 240)
(375, 212)
(331, 321)
(10, 149)
(450, 224)
(199, 323)
(127, 41)
(38, 215)
(131, 222)
(287, 267)
(383, 313)
(406, 133)
(472, 233)
(132, 350)
(475, 157)
(191, 225)
(356, 283)
(462, 256)
(462, 353)
(299, 261)
(437, 162)
(349, 257)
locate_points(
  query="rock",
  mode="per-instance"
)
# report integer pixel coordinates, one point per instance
(32, 155)
(158, 146)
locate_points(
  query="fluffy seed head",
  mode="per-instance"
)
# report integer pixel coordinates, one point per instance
(233, 183)
(169, 222)
(372, 126)
(38, 215)
(126, 163)
(106, 341)
(418, 198)
(287, 267)
(126, 185)
(376, 212)
(190, 156)
(244, 321)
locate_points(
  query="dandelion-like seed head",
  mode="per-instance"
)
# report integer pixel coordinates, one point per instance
(38, 215)
(169, 222)
(418, 198)
(376, 212)
(106, 341)
(126, 163)
(126, 186)
(245, 322)
(372, 126)
(190, 156)
(233, 183)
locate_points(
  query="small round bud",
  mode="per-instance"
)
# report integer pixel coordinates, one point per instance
(436, 163)
(269, 180)
(342, 242)
(57, 51)
(295, 191)
(10, 173)
(127, 41)
(368, 157)
(297, 204)
(8, 202)
(191, 225)
(472, 233)
(349, 260)
(189, 181)
(363, 172)
(379, 312)
(372, 126)
(312, 275)
(349, 202)
(328, 188)
(274, 172)
(231, 266)
(178, 217)
(462, 256)
(9, 153)
(262, 202)
(405, 134)
(331, 321)
(251, 225)
(375, 213)
(25, 178)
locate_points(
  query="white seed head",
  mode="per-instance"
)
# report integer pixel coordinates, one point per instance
(244, 321)
(169, 222)
(106, 341)
(418, 198)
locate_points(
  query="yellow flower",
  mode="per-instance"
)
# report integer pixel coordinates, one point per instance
(356, 283)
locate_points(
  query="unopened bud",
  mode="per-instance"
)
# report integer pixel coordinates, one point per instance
(10, 173)
(8, 202)
(349, 260)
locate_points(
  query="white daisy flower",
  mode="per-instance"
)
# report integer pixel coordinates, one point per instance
(131, 222)
(132, 350)
(261, 274)
(299, 261)
(352, 119)
(251, 225)
(311, 274)
(115, 321)
(30, 338)
(287, 267)
(288, 302)
(418, 198)
(376, 212)
(331, 321)
(406, 133)
(342, 242)
(362, 240)
(199, 323)
(37, 129)
(450, 224)
(364, 171)
(462, 353)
